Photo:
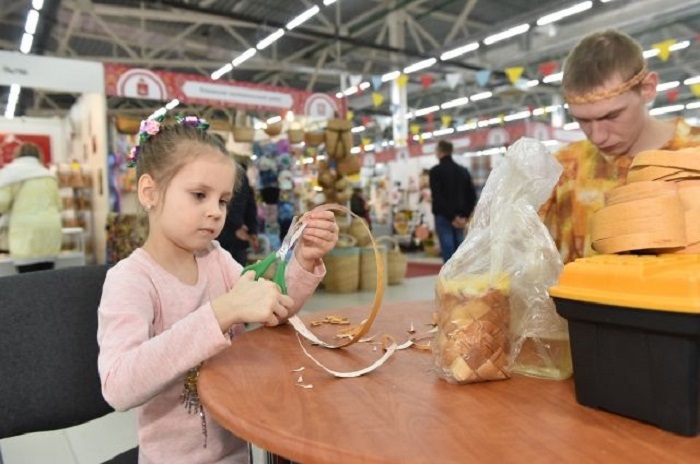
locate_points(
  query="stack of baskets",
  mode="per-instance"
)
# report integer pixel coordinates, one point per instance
(397, 262)
(342, 266)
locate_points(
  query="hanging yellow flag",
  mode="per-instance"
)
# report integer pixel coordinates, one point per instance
(501, 118)
(402, 80)
(366, 141)
(415, 128)
(350, 115)
(695, 89)
(664, 48)
(377, 98)
(446, 120)
(514, 73)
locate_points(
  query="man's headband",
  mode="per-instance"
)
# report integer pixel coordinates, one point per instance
(591, 97)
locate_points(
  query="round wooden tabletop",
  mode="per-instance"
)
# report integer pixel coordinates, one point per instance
(403, 413)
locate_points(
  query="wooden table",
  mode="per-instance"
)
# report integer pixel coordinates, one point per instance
(403, 413)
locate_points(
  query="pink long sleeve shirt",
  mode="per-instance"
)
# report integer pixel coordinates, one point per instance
(152, 329)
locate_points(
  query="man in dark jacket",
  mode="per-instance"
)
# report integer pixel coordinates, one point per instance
(241, 226)
(454, 198)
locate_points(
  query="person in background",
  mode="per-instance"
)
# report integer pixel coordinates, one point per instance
(181, 299)
(359, 206)
(240, 229)
(30, 209)
(454, 199)
(608, 88)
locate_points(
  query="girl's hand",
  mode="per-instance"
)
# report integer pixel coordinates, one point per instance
(252, 300)
(319, 237)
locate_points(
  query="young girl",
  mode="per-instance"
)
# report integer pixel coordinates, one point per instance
(180, 299)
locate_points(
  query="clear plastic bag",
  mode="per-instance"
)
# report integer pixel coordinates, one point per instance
(495, 315)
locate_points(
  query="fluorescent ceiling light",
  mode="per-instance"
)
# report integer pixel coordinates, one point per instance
(328, 2)
(228, 67)
(351, 90)
(390, 76)
(556, 77)
(420, 65)
(426, 135)
(369, 147)
(12, 99)
(246, 55)
(481, 96)
(571, 126)
(172, 104)
(512, 32)
(339, 95)
(26, 45)
(354, 151)
(159, 112)
(667, 86)
(364, 85)
(357, 129)
(32, 21)
(302, 18)
(538, 112)
(424, 111)
(456, 102)
(561, 14)
(679, 45)
(666, 109)
(267, 41)
(38, 4)
(441, 132)
(692, 106)
(516, 116)
(274, 119)
(454, 53)
(692, 80)
(466, 127)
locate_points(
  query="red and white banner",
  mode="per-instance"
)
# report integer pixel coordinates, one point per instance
(145, 84)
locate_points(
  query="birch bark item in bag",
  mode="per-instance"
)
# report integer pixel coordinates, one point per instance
(492, 295)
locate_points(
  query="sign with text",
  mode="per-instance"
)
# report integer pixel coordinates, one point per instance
(145, 84)
(51, 73)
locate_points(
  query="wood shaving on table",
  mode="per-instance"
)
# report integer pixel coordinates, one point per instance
(307, 386)
(298, 369)
(300, 379)
(412, 329)
(390, 349)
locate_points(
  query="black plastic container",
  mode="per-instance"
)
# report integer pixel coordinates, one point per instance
(638, 363)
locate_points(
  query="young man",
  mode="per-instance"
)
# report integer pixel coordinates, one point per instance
(608, 87)
(454, 198)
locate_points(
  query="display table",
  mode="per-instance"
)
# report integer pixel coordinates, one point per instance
(403, 413)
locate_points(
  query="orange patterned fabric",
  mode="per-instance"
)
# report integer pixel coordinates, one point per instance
(588, 175)
(591, 97)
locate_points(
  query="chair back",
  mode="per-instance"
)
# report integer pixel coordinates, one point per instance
(48, 361)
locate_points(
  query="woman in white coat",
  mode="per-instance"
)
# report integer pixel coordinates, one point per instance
(30, 208)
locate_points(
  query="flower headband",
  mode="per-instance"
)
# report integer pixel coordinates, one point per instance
(151, 126)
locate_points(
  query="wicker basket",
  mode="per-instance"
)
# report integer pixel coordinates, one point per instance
(396, 260)
(295, 135)
(342, 266)
(243, 134)
(358, 229)
(127, 124)
(314, 139)
(273, 129)
(338, 138)
(349, 165)
(368, 267)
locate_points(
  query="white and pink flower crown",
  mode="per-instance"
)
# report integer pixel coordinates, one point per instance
(151, 126)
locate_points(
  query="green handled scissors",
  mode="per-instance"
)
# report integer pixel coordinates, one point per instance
(278, 259)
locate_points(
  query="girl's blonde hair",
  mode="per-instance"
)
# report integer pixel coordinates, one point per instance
(165, 153)
(600, 57)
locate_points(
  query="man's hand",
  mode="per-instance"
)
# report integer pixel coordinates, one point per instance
(459, 222)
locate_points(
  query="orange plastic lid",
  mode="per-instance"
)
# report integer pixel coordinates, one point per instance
(664, 282)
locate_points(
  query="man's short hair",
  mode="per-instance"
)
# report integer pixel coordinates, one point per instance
(445, 147)
(599, 57)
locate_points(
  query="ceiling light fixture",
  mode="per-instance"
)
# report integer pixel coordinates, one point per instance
(38, 4)
(26, 45)
(507, 34)
(456, 102)
(420, 65)
(246, 55)
(267, 41)
(454, 53)
(32, 21)
(481, 96)
(302, 18)
(228, 67)
(12, 99)
(390, 76)
(667, 86)
(559, 15)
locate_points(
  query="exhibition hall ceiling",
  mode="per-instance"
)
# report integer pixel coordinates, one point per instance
(350, 41)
